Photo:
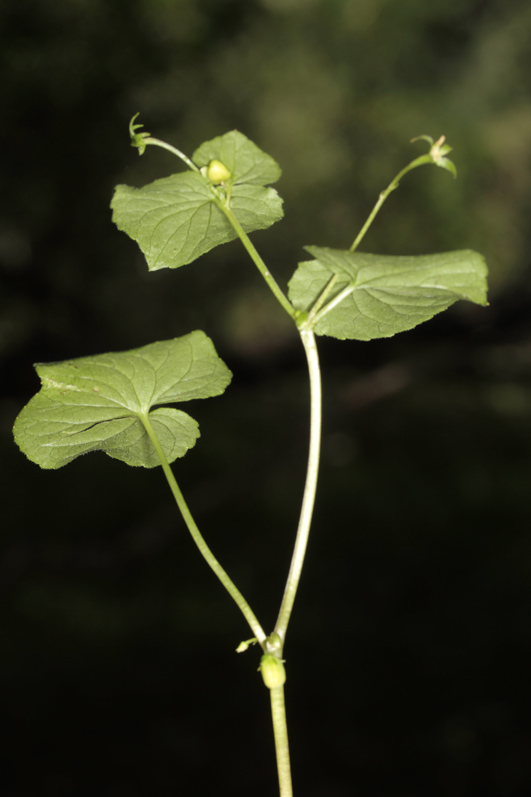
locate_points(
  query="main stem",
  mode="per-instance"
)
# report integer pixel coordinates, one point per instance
(278, 709)
(280, 730)
(199, 540)
(310, 488)
(308, 501)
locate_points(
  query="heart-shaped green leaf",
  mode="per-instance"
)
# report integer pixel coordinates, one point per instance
(376, 296)
(177, 219)
(100, 403)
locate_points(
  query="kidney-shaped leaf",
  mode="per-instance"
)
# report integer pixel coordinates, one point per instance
(382, 294)
(177, 219)
(98, 403)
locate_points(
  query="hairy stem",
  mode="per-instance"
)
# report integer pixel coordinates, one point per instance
(197, 537)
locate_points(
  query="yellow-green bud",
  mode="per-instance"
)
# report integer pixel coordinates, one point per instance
(217, 172)
(273, 671)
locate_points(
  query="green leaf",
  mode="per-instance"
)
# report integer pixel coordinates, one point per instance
(383, 295)
(99, 403)
(177, 219)
(245, 161)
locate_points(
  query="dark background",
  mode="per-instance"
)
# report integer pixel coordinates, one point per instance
(410, 648)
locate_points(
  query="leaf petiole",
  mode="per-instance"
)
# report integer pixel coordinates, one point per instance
(199, 540)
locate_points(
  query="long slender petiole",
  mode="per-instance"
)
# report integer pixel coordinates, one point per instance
(205, 551)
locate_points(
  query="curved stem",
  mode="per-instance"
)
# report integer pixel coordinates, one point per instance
(280, 731)
(158, 143)
(303, 531)
(308, 501)
(197, 537)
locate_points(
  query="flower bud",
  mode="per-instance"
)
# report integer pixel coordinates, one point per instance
(217, 172)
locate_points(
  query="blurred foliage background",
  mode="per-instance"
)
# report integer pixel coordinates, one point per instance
(409, 653)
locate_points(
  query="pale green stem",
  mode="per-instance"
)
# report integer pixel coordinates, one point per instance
(280, 730)
(303, 531)
(158, 143)
(383, 196)
(278, 709)
(197, 537)
(308, 501)
(257, 260)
